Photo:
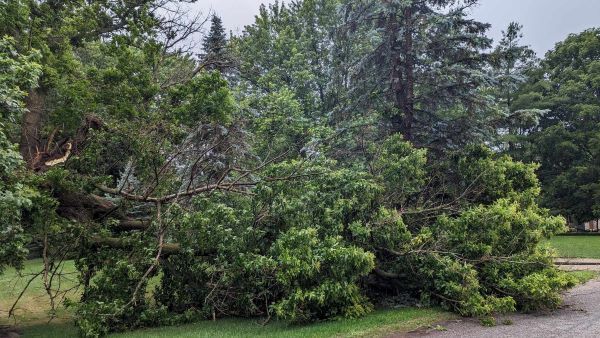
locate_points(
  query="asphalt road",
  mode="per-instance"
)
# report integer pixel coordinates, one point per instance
(578, 317)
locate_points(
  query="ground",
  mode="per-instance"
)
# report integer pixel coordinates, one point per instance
(32, 313)
(32, 317)
(578, 317)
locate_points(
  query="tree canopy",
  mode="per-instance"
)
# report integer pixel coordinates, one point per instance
(565, 139)
(335, 157)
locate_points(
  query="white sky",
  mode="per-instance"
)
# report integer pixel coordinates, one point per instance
(545, 21)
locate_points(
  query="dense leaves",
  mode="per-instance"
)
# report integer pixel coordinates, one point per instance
(18, 74)
(340, 165)
(565, 141)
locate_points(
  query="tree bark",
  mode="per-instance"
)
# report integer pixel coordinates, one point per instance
(402, 75)
(409, 72)
(32, 125)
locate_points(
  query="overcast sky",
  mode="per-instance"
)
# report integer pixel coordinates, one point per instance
(545, 21)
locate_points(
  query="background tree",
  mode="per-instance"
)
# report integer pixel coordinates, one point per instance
(285, 64)
(216, 50)
(566, 141)
(510, 61)
(511, 64)
(422, 70)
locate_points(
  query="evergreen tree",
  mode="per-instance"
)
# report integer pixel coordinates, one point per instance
(510, 64)
(215, 44)
(510, 61)
(422, 69)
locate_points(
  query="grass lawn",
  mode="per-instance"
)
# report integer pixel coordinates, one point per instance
(34, 306)
(376, 324)
(32, 317)
(583, 277)
(577, 246)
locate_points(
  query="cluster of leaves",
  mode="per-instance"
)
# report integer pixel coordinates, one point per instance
(285, 188)
(18, 73)
(330, 243)
(564, 140)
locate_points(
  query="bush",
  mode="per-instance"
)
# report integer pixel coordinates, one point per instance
(312, 247)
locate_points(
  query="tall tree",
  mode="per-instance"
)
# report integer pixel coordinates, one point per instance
(285, 71)
(566, 141)
(510, 63)
(216, 51)
(424, 67)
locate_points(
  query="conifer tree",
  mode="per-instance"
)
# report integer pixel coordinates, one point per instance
(423, 67)
(216, 55)
(510, 61)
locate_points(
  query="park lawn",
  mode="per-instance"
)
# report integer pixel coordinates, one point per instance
(32, 316)
(576, 246)
(379, 323)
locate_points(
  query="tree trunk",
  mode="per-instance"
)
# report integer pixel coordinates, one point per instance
(409, 72)
(32, 125)
(402, 74)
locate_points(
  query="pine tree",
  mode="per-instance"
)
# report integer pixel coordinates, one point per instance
(215, 46)
(510, 61)
(424, 67)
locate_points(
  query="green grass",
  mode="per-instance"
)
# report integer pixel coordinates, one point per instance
(583, 277)
(34, 306)
(376, 324)
(576, 246)
(32, 317)
(379, 323)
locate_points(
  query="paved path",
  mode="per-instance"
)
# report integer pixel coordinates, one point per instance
(577, 261)
(579, 317)
(573, 264)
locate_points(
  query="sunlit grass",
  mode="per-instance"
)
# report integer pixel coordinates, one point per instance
(583, 277)
(576, 246)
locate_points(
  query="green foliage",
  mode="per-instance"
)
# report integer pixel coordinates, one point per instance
(18, 74)
(281, 125)
(110, 278)
(290, 192)
(206, 98)
(15, 198)
(565, 142)
(293, 259)
(217, 54)
(400, 167)
(397, 67)
(319, 277)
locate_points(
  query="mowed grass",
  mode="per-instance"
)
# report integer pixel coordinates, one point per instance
(377, 324)
(33, 314)
(34, 306)
(583, 276)
(576, 246)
